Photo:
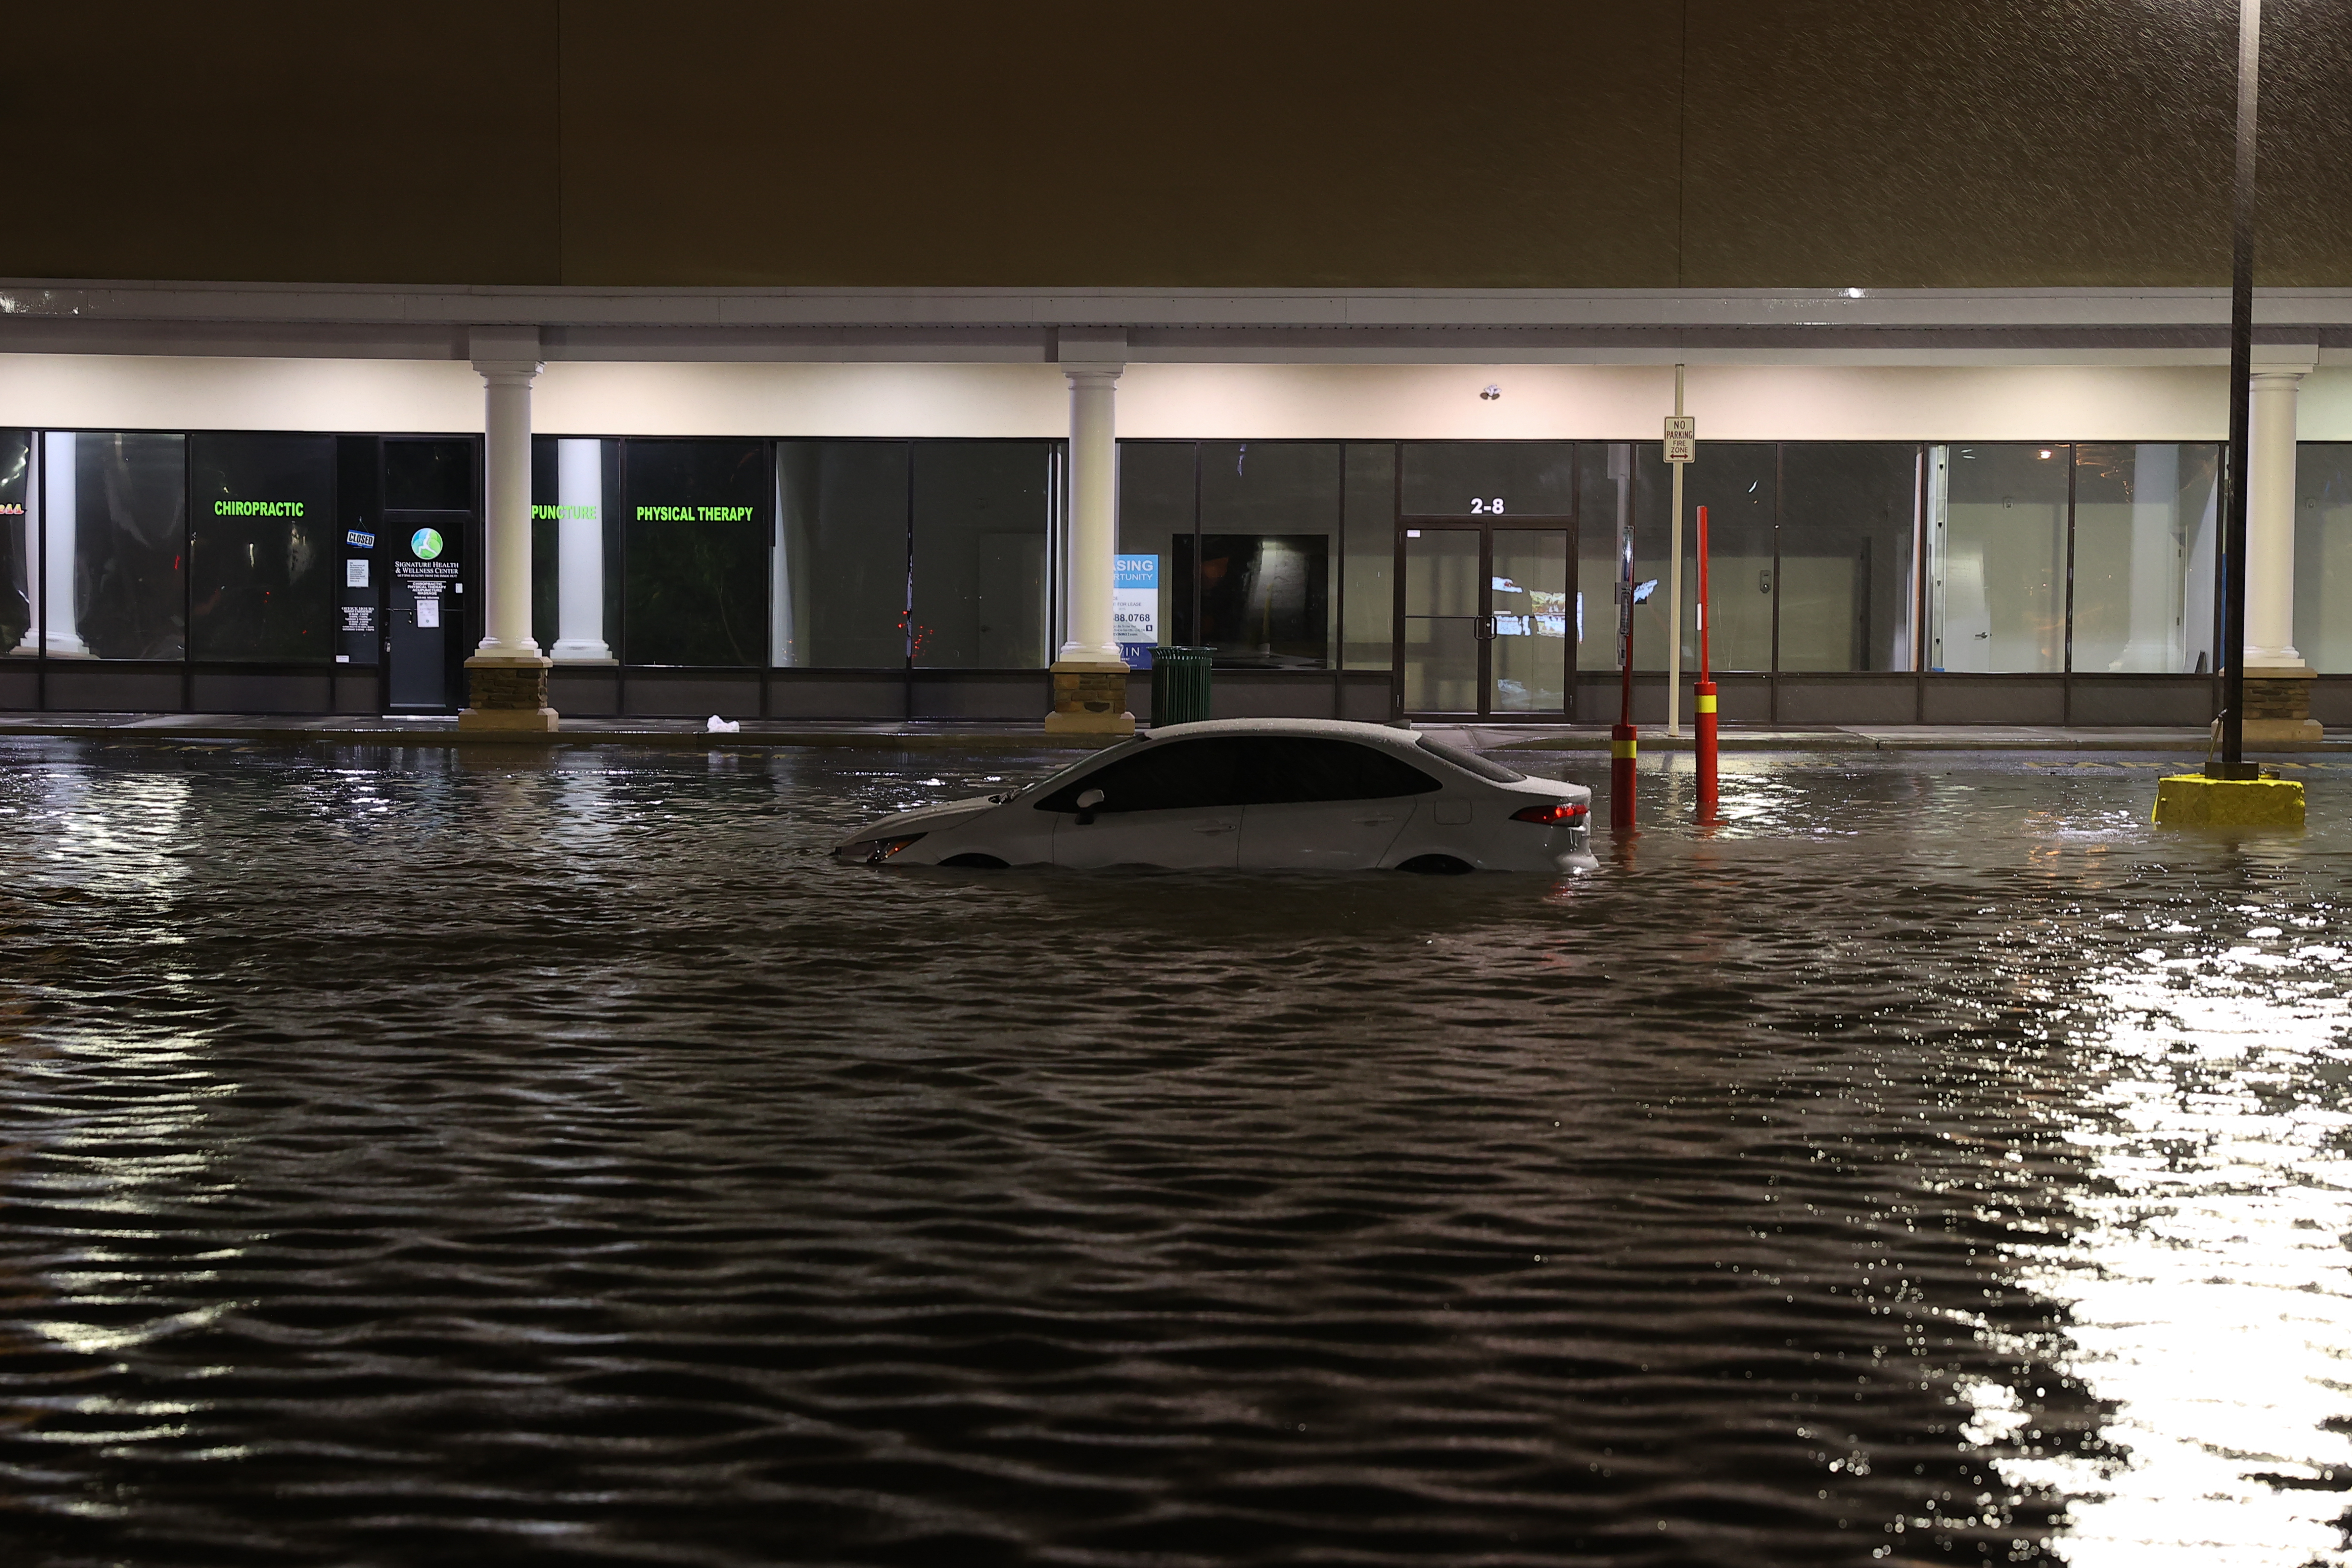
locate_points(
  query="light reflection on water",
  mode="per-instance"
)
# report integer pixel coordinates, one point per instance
(2207, 1290)
(428, 1156)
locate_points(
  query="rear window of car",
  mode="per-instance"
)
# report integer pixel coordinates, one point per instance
(1471, 762)
(1291, 769)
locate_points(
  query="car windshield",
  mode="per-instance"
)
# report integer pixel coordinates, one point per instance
(1068, 769)
(1471, 762)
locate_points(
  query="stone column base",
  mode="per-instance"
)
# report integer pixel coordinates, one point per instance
(2278, 709)
(507, 696)
(1089, 699)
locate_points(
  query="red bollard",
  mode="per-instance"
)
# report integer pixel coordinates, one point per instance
(1703, 747)
(1622, 743)
(1702, 710)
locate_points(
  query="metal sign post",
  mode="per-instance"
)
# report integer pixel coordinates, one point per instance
(1682, 442)
(2233, 764)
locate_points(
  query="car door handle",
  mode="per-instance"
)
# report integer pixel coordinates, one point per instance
(1216, 827)
(1372, 821)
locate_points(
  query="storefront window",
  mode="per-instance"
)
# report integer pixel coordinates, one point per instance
(1849, 518)
(99, 536)
(2145, 533)
(1738, 484)
(262, 548)
(1158, 505)
(840, 559)
(982, 522)
(16, 556)
(575, 548)
(1269, 514)
(1368, 591)
(2322, 555)
(1604, 515)
(1997, 557)
(694, 530)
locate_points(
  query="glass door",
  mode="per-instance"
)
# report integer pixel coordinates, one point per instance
(1444, 627)
(1529, 601)
(1486, 629)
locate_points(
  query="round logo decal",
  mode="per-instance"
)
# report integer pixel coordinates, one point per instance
(426, 543)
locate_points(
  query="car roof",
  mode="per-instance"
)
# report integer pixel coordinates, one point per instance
(1389, 735)
(1327, 729)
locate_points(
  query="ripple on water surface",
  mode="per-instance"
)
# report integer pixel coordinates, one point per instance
(412, 1156)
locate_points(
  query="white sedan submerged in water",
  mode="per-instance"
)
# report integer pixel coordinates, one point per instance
(1259, 792)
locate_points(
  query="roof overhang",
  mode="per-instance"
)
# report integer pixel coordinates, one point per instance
(2107, 326)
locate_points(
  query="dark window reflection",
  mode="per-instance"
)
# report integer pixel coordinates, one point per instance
(129, 515)
(695, 525)
(841, 555)
(263, 556)
(1738, 483)
(429, 475)
(1264, 598)
(1849, 512)
(1369, 592)
(981, 516)
(1270, 516)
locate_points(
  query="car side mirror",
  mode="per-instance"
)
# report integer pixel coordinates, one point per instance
(1086, 804)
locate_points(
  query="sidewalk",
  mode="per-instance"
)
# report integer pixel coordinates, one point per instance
(367, 730)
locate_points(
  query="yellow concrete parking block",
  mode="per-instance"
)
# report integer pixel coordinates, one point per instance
(2193, 800)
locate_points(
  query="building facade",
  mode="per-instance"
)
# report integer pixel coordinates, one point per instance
(830, 517)
(607, 372)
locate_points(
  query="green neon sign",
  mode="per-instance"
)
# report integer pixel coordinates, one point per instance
(693, 513)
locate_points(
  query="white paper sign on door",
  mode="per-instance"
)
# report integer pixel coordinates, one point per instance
(428, 613)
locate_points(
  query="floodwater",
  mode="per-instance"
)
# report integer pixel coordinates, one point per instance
(419, 1157)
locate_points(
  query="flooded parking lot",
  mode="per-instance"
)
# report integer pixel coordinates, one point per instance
(424, 1155)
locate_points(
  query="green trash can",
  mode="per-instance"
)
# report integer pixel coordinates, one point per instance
(1180, 685)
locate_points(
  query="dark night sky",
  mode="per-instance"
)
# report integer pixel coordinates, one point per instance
(1716, 144)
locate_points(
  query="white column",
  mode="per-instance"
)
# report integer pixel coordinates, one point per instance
(1090, 678)
(2153, 641)
(2270, 521)
(51, 581)
(580, 528)
(507, 529)
(1094, 513)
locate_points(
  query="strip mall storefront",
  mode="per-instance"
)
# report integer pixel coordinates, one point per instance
(869, 528)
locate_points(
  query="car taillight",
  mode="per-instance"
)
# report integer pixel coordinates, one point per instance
(1558, 812)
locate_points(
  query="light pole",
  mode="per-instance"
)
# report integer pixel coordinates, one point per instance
(2232, 792)
(2233, 764)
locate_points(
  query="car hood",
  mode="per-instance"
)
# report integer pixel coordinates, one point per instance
(923, 819)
